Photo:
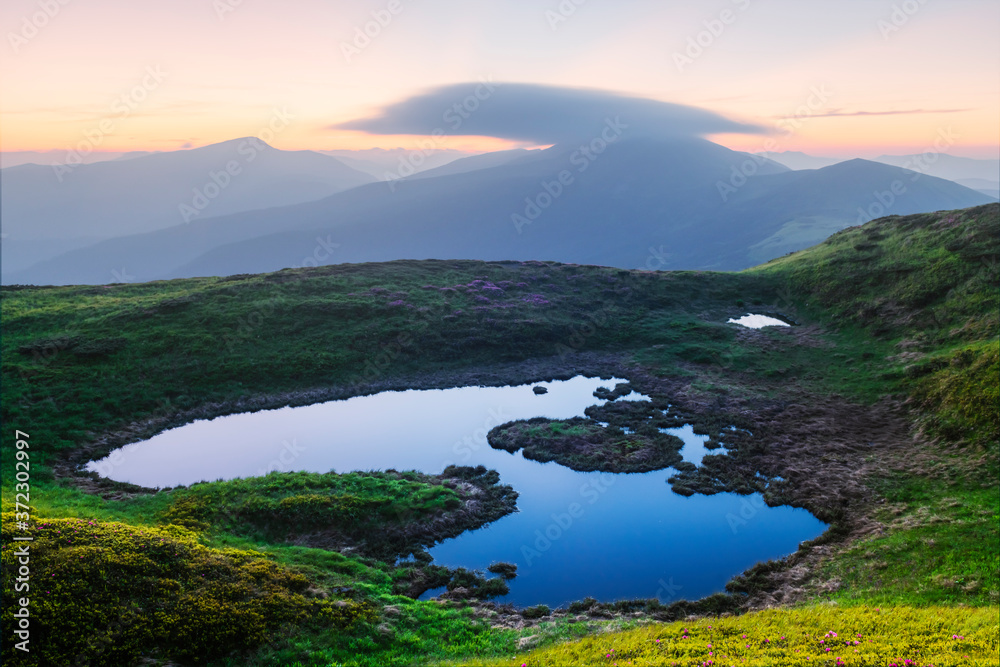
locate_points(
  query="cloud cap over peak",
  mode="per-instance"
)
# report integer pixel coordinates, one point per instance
(539, 114)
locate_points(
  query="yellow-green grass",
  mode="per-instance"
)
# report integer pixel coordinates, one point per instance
(815, 635)
(940, 545)
(114, 592)
(908, 307)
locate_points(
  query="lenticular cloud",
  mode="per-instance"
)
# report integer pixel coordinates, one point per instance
(538, 114)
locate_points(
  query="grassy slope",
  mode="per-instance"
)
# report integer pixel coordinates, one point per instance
(925, 289)
(929, 284)
(910, 303)
(180, 344)
(939, 636)
(81, 360)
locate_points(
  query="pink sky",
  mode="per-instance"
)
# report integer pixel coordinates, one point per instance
(846, 78)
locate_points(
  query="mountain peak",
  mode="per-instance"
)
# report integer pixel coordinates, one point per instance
(258, 143)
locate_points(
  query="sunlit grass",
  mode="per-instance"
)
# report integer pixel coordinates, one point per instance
(907, 307)
(820, 635)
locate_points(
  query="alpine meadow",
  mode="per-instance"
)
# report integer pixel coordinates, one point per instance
(525, 333)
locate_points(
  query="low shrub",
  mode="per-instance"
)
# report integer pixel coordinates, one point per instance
(114, 592)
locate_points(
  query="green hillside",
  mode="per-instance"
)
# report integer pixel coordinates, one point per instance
(895, 341)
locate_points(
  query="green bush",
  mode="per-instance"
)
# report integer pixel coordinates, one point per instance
(536, 612)
(114, 592)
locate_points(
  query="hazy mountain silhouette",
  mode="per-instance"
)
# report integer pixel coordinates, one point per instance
(981, 175)
(475, 163)
(987, 187)
(395, 162)
(942, 165)
(140, 193)
(659, 204)
(799, 160)
(16, 158)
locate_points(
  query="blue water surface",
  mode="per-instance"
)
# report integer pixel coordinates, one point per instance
(609, 536)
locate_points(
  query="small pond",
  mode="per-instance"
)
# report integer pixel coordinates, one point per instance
(609, 536)
(752, 321)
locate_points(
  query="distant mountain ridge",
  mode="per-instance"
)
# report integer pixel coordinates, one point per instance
(654, 204)
(138, 193)
(977, 174)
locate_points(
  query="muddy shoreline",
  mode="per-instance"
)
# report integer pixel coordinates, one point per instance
(70, 466)
(797, 449)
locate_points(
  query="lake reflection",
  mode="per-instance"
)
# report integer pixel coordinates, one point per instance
(576, 534)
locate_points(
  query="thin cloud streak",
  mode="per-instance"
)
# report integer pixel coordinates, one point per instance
(906, 112)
